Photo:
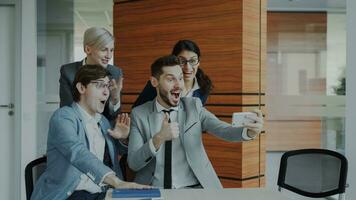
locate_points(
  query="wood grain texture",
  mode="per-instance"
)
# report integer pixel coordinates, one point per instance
(262, 146)
(219, 152)
(228, 34)
(290, 135)
(243, 157)
(129, 98)
(238, 184)
(262, 182)
(263, 45)
(296, 31)
(146, 30)
(251, 45)
(251, 158)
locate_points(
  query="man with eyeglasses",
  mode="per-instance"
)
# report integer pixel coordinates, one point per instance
(82, 152)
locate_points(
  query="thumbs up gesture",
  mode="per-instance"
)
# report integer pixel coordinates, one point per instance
(169, 131)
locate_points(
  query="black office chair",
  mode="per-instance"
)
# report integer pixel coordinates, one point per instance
(313, 173)
(33, 171)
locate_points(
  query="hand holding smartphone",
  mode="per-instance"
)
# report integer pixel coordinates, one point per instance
(239, 119)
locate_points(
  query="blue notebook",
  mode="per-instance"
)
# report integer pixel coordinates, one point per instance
(136, 193)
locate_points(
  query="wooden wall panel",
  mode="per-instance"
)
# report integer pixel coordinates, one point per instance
(263, 47)
(238, 184)
(262, 155)
(289, 135)
(306, 31)
(163, 23)
(251, 46)
(228, 34)
(237, 161)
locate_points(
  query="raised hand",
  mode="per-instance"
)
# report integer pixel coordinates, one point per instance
(122, 127)
(115, 89)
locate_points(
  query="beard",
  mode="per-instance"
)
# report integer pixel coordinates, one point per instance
(164, 96)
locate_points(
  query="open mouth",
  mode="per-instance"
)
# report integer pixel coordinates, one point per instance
(176, 94)
(103, 102)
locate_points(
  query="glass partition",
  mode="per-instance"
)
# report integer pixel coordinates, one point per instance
(60, 28)
(305, 89)
(55, 30)
(305, 78)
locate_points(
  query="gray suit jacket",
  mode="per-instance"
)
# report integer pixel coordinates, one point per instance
(68, 155)
(193, 119)
(68, 72)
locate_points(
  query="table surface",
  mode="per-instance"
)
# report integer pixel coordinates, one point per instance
(222, 194)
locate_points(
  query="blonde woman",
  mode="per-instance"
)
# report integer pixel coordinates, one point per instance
(98, 44)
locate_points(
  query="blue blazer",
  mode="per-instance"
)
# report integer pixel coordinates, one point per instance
(68, 155)
(149, 93)
(68, 72)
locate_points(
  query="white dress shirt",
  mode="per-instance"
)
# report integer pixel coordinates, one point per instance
(182, 174)
(96, 146)
(195, 87)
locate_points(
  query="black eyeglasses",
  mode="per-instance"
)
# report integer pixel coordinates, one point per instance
(192, 62)
(101, 84)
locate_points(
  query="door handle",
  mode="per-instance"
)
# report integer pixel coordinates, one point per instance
(9, 106)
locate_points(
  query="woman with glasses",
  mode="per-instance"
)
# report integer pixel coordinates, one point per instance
(196, 82)
(98, 44)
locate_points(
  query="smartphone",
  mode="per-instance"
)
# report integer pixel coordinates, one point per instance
(239, 118)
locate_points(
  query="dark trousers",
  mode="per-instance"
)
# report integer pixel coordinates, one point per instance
(84, 195)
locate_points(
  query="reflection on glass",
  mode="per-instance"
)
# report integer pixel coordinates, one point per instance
(54, 48)
(305, 80)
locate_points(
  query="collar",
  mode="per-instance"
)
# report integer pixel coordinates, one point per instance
(195, 85)
(87, 117)
(159, 107)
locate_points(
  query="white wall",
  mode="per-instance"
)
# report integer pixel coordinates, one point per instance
(25, 90)
(351, 97)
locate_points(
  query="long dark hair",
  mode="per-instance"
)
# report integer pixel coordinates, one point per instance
(204, 81)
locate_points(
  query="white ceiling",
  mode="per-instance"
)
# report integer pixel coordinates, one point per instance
(88, 13)
(307, 5)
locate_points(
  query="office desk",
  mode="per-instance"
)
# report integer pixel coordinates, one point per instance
(224, 194)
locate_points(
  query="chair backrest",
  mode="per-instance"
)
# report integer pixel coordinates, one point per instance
(33, 171)
(313, 172)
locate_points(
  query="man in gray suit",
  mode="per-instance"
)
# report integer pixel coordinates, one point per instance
(98, 44)
(82, 155)
(165, 144)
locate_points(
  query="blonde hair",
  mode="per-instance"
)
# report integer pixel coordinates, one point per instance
(97, 37)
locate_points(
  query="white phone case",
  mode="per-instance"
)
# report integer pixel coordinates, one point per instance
(239, 118)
